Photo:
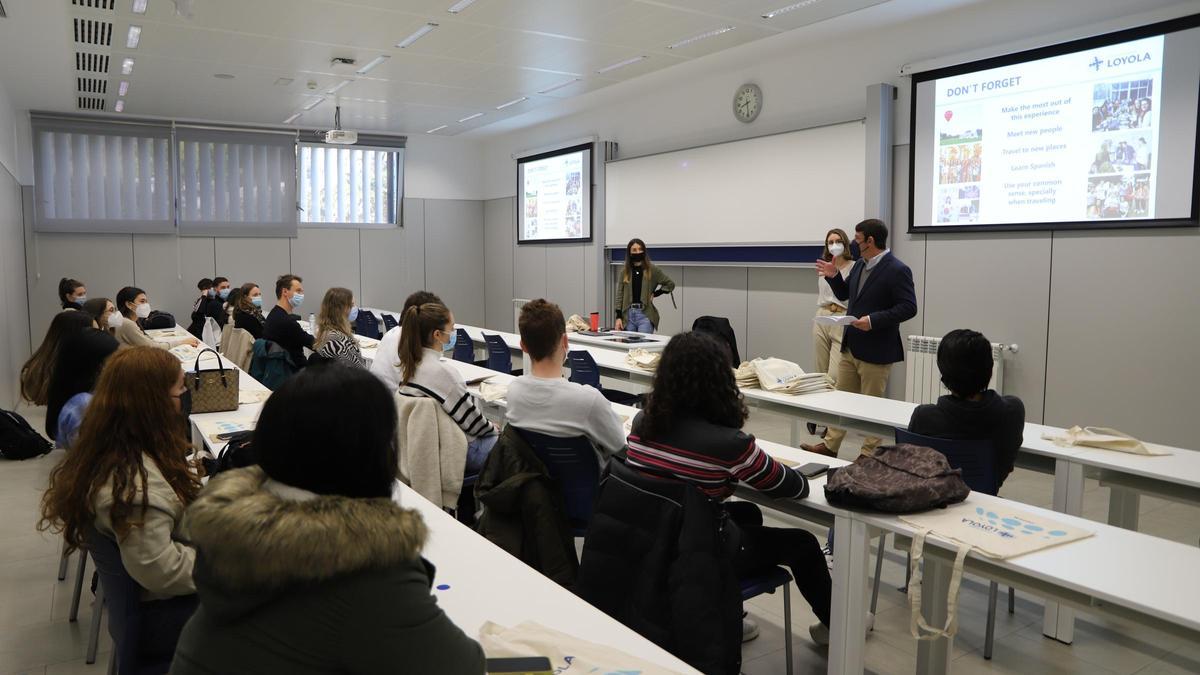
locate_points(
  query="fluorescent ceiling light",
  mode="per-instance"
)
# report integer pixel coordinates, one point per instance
(314, 103)
(702, 36)
(468, 118)
(134, 37)
(792, 7)
(120, 106)
(123, 89)
(437, 129)
(560, 85)
(460, 6)
(293, 118)
(338, 87)
(139, 6)
(127, 66)
(622, 64)
(372, 64)
(515, 101)
(420, 33)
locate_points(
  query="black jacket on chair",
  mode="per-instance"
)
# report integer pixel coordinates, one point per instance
(888, 297)
(658, 557)
(719, 328)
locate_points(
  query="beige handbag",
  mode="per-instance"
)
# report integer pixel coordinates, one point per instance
(1103, 438)
(213, 390)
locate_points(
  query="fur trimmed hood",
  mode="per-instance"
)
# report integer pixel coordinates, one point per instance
(251, 540)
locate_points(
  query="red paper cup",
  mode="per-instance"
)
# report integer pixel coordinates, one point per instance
(595, 321)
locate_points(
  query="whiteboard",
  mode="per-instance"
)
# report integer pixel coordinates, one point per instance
(783, 189)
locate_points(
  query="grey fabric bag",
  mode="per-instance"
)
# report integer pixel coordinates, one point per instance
(897, 479)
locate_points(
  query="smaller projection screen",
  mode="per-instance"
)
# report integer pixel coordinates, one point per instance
(554, 196)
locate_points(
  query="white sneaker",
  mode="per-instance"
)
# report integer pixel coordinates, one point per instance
(749, 629)
(819, 632)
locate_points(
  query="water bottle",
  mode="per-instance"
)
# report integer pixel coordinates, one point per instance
(312, 323)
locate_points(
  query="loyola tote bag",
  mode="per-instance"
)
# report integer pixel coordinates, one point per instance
(213, 390)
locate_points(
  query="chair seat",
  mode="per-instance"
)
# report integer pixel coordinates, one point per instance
(764, 583)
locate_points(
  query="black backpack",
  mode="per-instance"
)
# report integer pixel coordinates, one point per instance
(157, 320)
(237, 453)
(18, 440)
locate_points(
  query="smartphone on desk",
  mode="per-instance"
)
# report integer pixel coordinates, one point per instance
(813, 469)
(524, 665)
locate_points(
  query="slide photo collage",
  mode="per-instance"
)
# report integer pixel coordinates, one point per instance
(573, 219)
(1120, 176)
(960, 167)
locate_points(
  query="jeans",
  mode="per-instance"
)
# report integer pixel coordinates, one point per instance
(477, 452)
(762, 548)
(637, 321)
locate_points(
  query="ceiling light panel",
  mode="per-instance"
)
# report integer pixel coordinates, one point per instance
(560, 85)
(468, 118)
(339, 86)
(437, 129)
(314, 103)
(417, 35)
(123, 89)
(139, 6)
(293, 118)
(513, 102)
(126, 66)
(460, 6)
(120, 106)
(789, 8)
(697, 38)
(372, 64)
(619, 65)
(134, 37)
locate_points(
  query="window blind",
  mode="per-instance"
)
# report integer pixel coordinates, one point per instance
(236, 183)
(95, 176)
(350, 185)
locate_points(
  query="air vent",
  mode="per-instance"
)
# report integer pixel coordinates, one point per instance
(91, 32)
(109, 5)
(91, 85)
(91, 63)
(91, 103)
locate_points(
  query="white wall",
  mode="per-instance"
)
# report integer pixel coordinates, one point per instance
(437, 167)
(14, 329)
(1055, 295)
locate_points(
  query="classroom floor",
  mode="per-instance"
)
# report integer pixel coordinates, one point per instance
(37, 639)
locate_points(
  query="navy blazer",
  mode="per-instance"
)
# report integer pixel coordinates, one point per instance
(888, 297)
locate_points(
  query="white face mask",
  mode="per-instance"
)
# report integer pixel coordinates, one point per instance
(836, 249)
(115, 319)
(142, 310)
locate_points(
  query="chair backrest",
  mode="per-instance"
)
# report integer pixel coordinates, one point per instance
(226, 331)
(583, 368)
(573, 463)
(122, 597)
(238, 346)
(464, 347)
(389, 321)
(499, 357)
(720, 328)
(367, 325)
(976, 459)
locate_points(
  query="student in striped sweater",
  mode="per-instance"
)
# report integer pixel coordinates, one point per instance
(690, 429)
(426, 332)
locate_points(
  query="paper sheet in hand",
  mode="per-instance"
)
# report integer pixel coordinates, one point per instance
(835, 319)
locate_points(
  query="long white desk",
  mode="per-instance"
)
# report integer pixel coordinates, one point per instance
(652, 342)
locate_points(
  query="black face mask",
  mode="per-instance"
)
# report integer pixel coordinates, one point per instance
(637, 258)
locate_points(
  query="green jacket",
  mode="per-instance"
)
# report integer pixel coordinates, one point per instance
(320, 585)
(625, 293)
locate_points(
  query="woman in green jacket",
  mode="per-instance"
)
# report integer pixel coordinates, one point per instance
(641, 281)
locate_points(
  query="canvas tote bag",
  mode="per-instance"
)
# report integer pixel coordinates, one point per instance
(993, 529)
(567, 653)
(1105, 439)
(213, 390)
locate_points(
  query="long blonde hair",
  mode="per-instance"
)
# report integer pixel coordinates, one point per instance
(335, 313)
(647, 266)
(416, 326)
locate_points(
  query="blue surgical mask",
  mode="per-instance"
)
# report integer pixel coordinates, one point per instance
(210, 293)
(225, 293)
(81, 299)
(256, 301)
(449, 346)
(353, 314)
(296, 300)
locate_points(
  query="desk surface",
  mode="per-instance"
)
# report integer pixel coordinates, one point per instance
(651, 342)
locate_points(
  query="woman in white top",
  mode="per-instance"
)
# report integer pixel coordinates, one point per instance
(427, 332)
(134, 307)
(827, 340)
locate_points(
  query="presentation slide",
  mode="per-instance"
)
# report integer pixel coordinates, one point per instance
(1106, 133)
(554, 197)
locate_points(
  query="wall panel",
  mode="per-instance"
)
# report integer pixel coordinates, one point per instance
(454, 256)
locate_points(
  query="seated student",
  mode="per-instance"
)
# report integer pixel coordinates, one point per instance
(280, 327)
(134, 307)
(216, 304)
(79, 362)
(972, 411)
(387, 368)
(247, 309)
(543, 400)
(200, 307)
(360, 602)
(39, 369)
(104, 314)
(691, 428)
(126, 475)
(335, 337)
(428, 333)
(71, 293)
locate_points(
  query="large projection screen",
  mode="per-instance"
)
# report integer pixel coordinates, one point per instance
(1095, 133)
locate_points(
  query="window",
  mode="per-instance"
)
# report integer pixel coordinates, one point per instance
(350, 185)
(101, 177)
(240, 183)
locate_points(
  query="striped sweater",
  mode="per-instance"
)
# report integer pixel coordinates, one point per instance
(442, 383)
(714, 458)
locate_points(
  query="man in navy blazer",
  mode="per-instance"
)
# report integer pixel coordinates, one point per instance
(880, 290)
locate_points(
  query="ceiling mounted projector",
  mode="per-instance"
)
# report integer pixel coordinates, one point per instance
(337, 135)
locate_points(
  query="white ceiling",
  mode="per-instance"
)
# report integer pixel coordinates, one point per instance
(492, 52)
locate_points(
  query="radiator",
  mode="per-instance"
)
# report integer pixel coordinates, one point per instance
(923, 380)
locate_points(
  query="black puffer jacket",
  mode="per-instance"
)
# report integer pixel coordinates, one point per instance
(659, 559)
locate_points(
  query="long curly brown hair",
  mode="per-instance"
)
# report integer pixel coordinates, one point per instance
(130, 415)
(694, 379)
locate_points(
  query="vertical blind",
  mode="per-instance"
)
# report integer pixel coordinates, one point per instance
(349, 184)
(237, 183)
(102, 177)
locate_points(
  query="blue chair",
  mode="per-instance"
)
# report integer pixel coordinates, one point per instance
(464, 347)
(499, 358)
(367, 325)
(122, 598)
(389, 321)
(572, 463)
(585, 372)
(977, 460)
(767, 583)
